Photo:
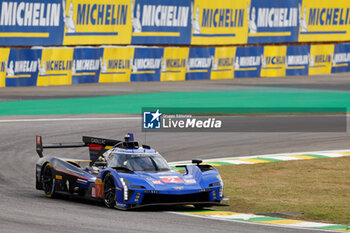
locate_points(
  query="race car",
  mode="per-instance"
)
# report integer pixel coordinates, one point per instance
(125, 175)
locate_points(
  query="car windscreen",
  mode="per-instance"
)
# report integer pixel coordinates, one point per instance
(139, 162)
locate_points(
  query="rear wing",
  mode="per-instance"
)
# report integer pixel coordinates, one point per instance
(97, 146)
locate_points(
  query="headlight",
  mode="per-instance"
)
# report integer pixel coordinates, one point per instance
(124, 182)
(221, 189)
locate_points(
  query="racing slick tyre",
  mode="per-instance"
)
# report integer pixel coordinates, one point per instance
(48, 181)
(109, 191)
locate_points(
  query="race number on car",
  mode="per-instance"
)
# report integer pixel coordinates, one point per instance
(171, 179)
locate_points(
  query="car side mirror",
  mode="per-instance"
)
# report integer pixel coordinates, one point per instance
(197, 161)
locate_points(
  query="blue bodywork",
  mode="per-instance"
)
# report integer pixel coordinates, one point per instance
(198, 184)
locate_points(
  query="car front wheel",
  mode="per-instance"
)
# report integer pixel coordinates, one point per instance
(109, 191)
(48, 181)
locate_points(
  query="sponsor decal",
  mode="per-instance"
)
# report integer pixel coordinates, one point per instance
(145, 63)
(55, 66)
(297, 60)
(171, 179)
(190, 181)
(98, 141)
(151, 191)
(30, 14)
(162, 16)
(157, 182)
(98, 188)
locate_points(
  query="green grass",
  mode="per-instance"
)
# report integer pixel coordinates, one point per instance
(317, 189)
(251, 97)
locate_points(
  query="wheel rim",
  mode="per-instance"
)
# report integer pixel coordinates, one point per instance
(109, 192)
(47, 180)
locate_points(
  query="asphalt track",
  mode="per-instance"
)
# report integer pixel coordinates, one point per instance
(24, 209)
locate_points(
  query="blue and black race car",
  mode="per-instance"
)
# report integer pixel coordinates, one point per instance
(126, 175)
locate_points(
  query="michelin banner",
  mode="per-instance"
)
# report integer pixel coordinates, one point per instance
(273, 61)
(200, 62)
(28, 22)
(167, 22)
(96, 22)
(341, 58)
(146, 64)
(219, 22)
(324, 20)
(55, 67)
(22, 67)
(223, 63)
(297, 60)
(273, 21)
(66, 66)
(160, 21)
(116, 64)
(248, 61)
(174, 64)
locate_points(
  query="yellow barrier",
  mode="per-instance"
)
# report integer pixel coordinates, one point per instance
(96, 22)
(4, 55)
(116, 64)
(219, 22)
(55, 67)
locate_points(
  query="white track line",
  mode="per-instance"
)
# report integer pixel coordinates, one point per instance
(71, 119)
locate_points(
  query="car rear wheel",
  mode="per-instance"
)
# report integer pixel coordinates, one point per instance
(109, 191)
(48, 181)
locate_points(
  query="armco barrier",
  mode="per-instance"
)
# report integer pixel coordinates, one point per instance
(65, 66)
(168, 22)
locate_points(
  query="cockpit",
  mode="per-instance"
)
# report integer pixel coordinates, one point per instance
(153, 162)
